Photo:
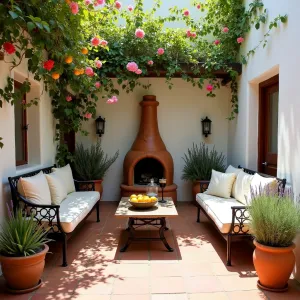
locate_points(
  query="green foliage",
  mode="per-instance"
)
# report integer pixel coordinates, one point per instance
(200, 161)
(274, 219)
(92, 163)
(21, 236)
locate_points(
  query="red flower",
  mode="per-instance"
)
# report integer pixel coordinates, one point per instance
(9, 48)
(48, 65)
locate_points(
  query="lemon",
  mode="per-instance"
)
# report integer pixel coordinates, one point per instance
(134, 199)
(133, 196)
(153, 199)
(140, 195)
(146, 197)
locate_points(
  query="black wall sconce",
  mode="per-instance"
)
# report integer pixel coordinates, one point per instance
(206, 126)
(100, 126)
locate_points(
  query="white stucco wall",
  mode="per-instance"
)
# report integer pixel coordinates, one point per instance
(281, 56)
(179, 117)
(40, 134)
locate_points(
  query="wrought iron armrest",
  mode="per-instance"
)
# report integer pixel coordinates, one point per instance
(240, 216)
(84, 185)
(45, 215)
(204, 185)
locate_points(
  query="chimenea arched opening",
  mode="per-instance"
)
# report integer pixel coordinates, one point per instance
(146, 169)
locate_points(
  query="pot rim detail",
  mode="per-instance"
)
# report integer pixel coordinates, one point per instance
(274, 249)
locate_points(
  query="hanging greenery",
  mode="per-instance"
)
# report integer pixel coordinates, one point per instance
(76, 47)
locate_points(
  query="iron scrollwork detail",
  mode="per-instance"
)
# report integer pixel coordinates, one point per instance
(240, 220)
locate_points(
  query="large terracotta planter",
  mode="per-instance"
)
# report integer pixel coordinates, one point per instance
(23, 274)
(296, 271)
(196, 188)
(99, 186)
(274, 266)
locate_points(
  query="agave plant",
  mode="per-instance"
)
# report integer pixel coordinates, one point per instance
(200, 161)
(21, 236)
(91, 163)
(274, 218)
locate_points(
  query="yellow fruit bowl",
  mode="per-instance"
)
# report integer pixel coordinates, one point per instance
(141, 201)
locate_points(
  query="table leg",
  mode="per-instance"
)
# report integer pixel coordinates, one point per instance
(130, 237)
(162, 229)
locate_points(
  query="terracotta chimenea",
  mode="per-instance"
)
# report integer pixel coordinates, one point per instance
(148, 157)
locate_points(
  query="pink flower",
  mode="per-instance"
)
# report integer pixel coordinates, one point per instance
(186, 13)
(9, 48)
(139, 33)
(188, 33)
(150, 62)
(89, 71)
(97, 84)
(112, 100)
(99, 2)
(118, 4)
(95, 41)
(198, 6)
(138, 71)
(98, 64)
(23, 101)
(130, 7)
(193, 34)
(88, 115)
(132, 67)
(225, 29)
(209, 87)
(88, 2)
(103, 43)
(217, 42)
(74, 8)
(69, 98)
(160, 51)
(240, 40)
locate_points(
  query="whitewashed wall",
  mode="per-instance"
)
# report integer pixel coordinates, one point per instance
(281, 56)
(179, 117)
(40, 133)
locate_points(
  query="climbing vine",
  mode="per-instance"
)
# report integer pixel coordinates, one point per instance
(76, 47)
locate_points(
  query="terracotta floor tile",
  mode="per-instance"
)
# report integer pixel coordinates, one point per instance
(130, 297)
(91, 297)
(97, 286)
(237, 283)
(133, 270)
(247, 295)
(136, 286)
(242, 270)
(166, 270)
(196, 268)
(208, 296)
(202, 284)
(168, 285)
(169, 297)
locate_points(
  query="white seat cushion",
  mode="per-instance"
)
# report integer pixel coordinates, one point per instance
(74, 209)
(219, 210)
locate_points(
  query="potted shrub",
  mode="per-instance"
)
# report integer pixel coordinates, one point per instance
(91, 164)
(22, 253)
(199, 163)
(274, 222)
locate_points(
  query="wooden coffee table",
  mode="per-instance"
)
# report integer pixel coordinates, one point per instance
(154, 216)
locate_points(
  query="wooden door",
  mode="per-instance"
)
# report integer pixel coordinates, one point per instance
(268, 126)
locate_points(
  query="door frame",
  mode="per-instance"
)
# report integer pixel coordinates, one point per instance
(262, 143)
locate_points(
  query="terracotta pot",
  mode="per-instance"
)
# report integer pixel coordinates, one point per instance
(23, 273)
(296, 271)
(274, 266)
(196, 188)
(99, 186)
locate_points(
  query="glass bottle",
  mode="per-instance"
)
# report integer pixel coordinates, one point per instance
(152, 189)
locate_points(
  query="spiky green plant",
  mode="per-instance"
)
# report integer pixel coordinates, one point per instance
(92, 163)
(21, 236)
(274, 219)
(200, 161)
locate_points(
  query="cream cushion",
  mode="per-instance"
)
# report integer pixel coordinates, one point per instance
(231, 169)
(221, 184)
(35, 189)
(66, 176)
(241, 187)
(219, 210)
(74, 209)
(260, 183)
(57, 188)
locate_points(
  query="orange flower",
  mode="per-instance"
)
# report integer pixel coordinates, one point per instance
(81, 71)
(68, 59)
(68, 1)
(55, 76)
(77, 72)
(84, 50)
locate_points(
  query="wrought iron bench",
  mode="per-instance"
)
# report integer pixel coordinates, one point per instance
(240, 215)
(49, 215)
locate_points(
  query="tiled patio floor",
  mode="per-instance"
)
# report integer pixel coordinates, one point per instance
(195, 270)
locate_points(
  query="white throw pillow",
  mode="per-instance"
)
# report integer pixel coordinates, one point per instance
(241, 187)
(35, 189)
(66, 177)
(221, 184)
(261, 183)
(231, 169)
(57, 188)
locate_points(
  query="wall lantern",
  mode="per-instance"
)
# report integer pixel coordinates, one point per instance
(100, 126)
(206, 126)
